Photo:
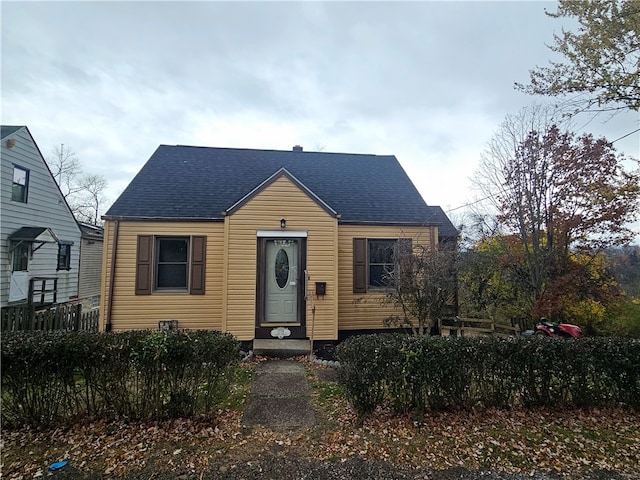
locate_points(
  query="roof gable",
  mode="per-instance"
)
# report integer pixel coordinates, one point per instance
(30, 157)
(184, 182)
(279, 174)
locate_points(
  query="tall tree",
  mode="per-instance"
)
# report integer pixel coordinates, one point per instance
(601, 66)
(558, 193)
(84, 193)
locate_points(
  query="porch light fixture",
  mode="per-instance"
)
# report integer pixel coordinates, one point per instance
(283, 223)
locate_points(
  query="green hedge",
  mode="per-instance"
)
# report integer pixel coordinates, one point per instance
(53, 376)
(415, 374)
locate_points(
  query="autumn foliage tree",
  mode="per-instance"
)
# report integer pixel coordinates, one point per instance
(565, 198)
(490, 279)
(601, 58)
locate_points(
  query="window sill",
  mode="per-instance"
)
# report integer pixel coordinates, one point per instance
(171, 291)
(379, 289)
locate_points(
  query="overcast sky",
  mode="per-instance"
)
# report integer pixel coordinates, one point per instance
(429, 82)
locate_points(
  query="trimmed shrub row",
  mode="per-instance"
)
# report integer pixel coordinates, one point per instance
(415, 374)
(53, 376)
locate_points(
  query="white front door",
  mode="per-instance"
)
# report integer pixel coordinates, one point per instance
(281, 280)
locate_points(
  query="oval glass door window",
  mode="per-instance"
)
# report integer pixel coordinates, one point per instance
(282, 268)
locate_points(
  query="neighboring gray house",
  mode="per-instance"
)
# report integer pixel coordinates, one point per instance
(90, 265)
(39, 237)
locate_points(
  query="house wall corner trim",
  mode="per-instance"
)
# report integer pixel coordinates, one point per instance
(112, 269)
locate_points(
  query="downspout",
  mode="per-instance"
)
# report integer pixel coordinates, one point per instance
(112, 269)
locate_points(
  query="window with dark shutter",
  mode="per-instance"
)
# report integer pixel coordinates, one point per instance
(375, 260)
(381, 261)
(170, 264)
(198, 254)
(359, 265)
(171, 268)
(143, 265)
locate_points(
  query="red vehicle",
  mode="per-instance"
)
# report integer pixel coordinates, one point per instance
(545, 328)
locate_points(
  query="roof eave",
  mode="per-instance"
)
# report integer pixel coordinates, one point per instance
(388, 223)
(134, 218)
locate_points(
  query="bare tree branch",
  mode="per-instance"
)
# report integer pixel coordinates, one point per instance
(83, 192)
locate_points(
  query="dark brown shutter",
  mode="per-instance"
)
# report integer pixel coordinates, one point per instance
(198, 254)
(359, 265)
(143, 265)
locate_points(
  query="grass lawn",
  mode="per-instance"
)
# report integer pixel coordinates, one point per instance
(567, 443)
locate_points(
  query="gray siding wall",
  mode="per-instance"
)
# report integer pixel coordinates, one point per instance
(45, 207)
(90, 268)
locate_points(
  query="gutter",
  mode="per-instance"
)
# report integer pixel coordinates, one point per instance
(114, 249)
(164, 219)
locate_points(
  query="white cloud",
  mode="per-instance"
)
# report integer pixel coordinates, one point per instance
(427, 81)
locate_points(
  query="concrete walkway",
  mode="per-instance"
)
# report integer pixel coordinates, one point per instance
(279, 397)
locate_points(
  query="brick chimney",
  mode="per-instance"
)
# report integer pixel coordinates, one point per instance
(297, 148)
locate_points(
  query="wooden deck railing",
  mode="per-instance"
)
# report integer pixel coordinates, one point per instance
(468, 327)
(58, 317)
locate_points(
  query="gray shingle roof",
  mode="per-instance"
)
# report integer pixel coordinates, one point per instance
(6, 130)
(33, 234)
(202, 183)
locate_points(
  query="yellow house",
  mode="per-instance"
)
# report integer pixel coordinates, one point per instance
(285, 246)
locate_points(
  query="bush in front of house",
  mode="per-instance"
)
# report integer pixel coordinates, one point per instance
(53, 376)
(416, 374)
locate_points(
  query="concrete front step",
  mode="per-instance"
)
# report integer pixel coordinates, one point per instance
(281, 348)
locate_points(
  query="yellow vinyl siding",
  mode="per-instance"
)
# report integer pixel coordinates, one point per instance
(358, 311)
(281, 199)
(229, 302)
(130, 311)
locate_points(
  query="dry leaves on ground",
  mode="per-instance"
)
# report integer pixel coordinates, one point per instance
(567, 443)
